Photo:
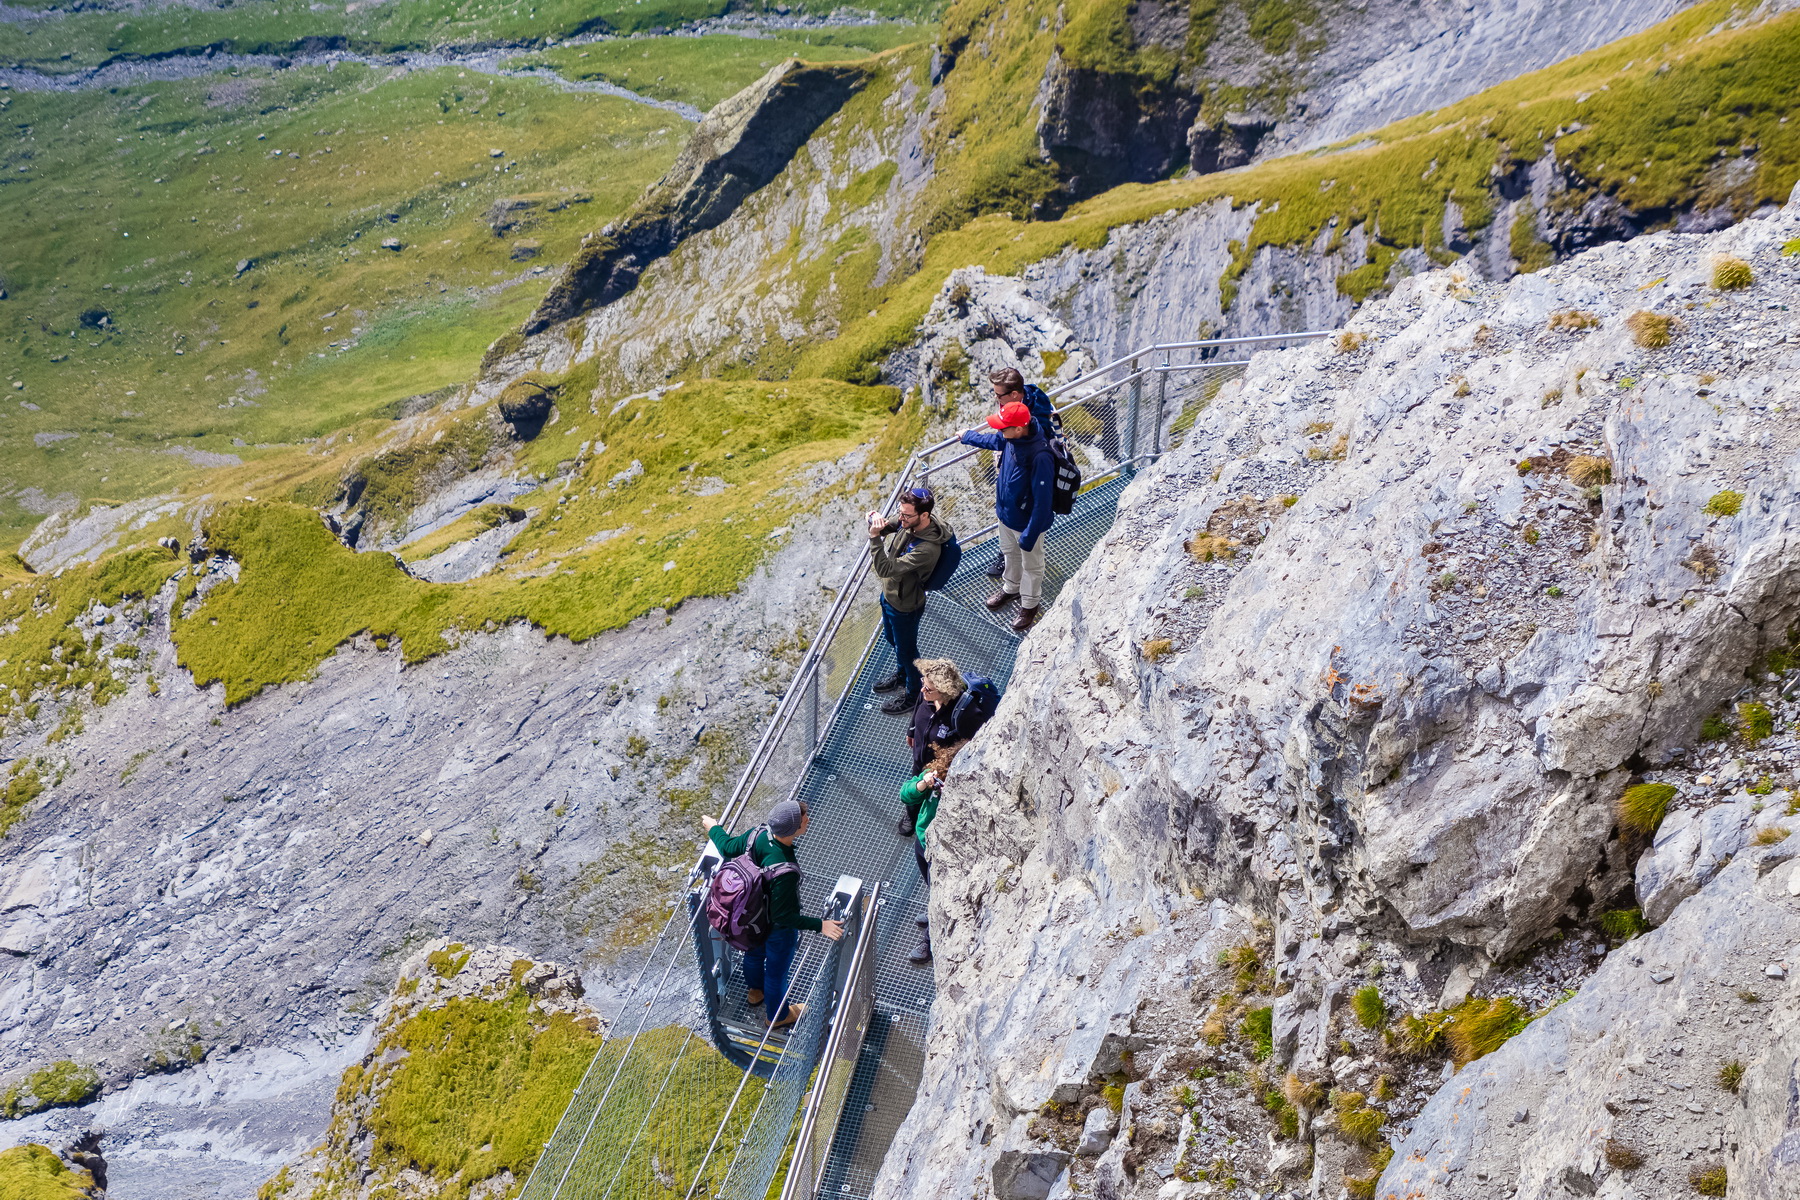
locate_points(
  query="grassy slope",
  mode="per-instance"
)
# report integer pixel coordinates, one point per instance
(693, 523)
(143, 202)
(482, 1084)
(1656, 111)
(705, 70)
(85, 39)
(31, 1172)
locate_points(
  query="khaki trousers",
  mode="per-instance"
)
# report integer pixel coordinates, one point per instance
(1024, 574)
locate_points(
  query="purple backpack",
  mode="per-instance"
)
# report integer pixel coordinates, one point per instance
(737, 904)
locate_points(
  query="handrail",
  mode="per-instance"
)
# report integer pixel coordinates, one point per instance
(848, 1012)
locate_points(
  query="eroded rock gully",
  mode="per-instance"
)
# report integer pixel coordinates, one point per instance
(1377, 747)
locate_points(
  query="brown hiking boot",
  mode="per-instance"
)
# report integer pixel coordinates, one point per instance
(1026, 619)
(753, 997)
(790, 1017)
(1000, 600)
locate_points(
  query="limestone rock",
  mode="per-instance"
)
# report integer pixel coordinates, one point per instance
(1409, 710)
(1023, 1175)
(1635, 1063)
(740, 146)
(1097, 1131)
(1690, 848)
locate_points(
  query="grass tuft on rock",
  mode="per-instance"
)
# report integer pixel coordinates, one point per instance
(1590, 470)
(1652, 331)
(1731, 1074)
(1731, 274)
(1724, 504)
(1623, 924)
(1370, 1009)
(1709, 1181)
(1620, 1156)
(1642, 807)
(1478, 1027)
(1258, 1028)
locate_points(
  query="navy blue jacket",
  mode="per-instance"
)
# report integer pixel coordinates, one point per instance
(1027, 482)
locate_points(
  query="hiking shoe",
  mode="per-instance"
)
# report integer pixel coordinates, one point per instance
(1026, 619)
(752, 998)
(790, 1017)
(903, 703)
(907, 825)
(921, 953)
(997, 568)
(892, 683)
(1000, 600)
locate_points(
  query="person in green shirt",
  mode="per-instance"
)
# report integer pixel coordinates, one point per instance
(766, 967)
(920, 794)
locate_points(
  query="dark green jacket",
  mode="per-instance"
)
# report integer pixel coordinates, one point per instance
(913, 792)
(784, 893)
(906, 561)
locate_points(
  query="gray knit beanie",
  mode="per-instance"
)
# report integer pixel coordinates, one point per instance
(784, 818)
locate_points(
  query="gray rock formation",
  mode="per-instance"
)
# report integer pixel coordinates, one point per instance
(1630, 1068)
(1396, 709)
(739, 148)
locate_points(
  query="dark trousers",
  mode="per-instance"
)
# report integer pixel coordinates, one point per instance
(924, 863)
(901, 629)
(766, 968)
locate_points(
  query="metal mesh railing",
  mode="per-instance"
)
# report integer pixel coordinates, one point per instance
(662, 1112)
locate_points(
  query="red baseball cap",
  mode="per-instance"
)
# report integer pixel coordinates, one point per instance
(1011, 415)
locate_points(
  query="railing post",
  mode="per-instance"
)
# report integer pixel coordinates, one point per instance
(812, 708)
(1162, 410)
(1133, 397)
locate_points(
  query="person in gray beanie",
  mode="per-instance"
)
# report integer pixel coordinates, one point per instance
(766, 967)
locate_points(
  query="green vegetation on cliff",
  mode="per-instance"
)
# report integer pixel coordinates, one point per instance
(664, 498)
(1651, 120)
(476, 1091)
(32, 1172)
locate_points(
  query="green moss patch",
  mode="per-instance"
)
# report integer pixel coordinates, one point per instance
(33, 1172)
(58, 1085)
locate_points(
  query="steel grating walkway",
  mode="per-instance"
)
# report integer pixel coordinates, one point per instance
(643, 1122)
(852, 789)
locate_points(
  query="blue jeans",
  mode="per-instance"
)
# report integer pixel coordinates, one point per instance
(901, 629)
(766, 968)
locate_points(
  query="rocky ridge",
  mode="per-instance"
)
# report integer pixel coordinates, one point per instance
(1416, 754)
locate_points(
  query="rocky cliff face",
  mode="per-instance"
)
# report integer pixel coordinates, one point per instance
(1372, 658)
(1220, 85)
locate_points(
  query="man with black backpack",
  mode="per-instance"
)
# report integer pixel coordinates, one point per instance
(920, 557)
(755, 904)
(1009, 385)
(1024, 501)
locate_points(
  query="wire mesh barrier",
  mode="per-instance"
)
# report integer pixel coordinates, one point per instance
(675, 1105)
(837, 1063)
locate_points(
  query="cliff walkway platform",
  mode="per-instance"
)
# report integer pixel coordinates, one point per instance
(690, 1096)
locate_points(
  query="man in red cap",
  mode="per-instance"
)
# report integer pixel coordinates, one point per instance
(1023, 491)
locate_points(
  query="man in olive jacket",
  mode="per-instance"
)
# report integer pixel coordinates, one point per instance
(903, 563)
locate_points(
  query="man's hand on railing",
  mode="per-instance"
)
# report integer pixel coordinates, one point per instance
(832, 929)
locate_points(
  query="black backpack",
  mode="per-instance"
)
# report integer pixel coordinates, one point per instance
(1068, 478)
(974, 706)
(949, 558)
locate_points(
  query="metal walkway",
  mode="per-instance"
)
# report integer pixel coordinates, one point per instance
(690, 1095)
